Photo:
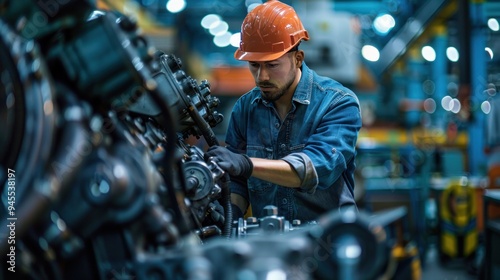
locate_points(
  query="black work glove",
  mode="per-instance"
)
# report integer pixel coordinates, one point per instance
(233, 163)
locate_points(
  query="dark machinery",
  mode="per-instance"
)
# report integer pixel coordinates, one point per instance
(98, 181)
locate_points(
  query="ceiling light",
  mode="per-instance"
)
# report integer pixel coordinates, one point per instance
(452, 54)
(493, 24)
(489, 51)
(486, 107)
(209, 20)
(220, 27)
(446, 102)
(428, 53)
(175, 6)
(430, 105)
(222, 40)
(235, 40)
(370, 53)
(383, 24)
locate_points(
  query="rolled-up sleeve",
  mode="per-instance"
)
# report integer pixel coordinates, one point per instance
(304, 168)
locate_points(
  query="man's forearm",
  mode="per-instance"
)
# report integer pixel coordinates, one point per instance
(275, 171)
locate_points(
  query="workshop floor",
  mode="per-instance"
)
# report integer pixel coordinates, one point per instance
(454, 270)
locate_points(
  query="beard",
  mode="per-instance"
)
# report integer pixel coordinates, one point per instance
(272, 91)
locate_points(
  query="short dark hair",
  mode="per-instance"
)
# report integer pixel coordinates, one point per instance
(294, 49)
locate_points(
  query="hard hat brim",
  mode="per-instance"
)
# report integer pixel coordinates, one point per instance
(258, 56)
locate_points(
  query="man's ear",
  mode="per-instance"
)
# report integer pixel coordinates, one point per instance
(299, 58)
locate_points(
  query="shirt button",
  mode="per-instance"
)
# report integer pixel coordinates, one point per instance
(277, 125)
(284, 201)
(282, 146)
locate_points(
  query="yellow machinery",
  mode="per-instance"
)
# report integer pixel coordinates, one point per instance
(458, 215)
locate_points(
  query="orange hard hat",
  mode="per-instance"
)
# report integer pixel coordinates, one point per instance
(269, 31)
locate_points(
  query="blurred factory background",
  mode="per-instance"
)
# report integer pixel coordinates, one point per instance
(426, 73)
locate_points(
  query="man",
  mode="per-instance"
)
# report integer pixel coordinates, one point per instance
(290, 140)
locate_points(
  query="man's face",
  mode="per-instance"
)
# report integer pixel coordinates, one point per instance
(274, 78)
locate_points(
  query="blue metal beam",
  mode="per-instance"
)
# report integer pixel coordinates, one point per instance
(477, 157)
(412, 29)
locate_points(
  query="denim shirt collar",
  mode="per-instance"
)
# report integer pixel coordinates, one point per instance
(302, 92)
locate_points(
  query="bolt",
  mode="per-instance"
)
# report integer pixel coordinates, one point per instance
(271, 210)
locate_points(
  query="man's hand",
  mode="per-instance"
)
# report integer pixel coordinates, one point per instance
(233, 163)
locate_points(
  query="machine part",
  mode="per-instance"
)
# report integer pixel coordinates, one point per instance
(110, 81)
(41, 19)
(199, 179)
(201, 188)
(207, 186)
(112, 189)
(193, 103)
(270, 223)
(305, 254)
(344, 243)
(29, 122)
(53, 177)
(338, 233)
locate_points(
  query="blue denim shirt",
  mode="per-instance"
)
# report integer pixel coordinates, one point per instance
(317, 138)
